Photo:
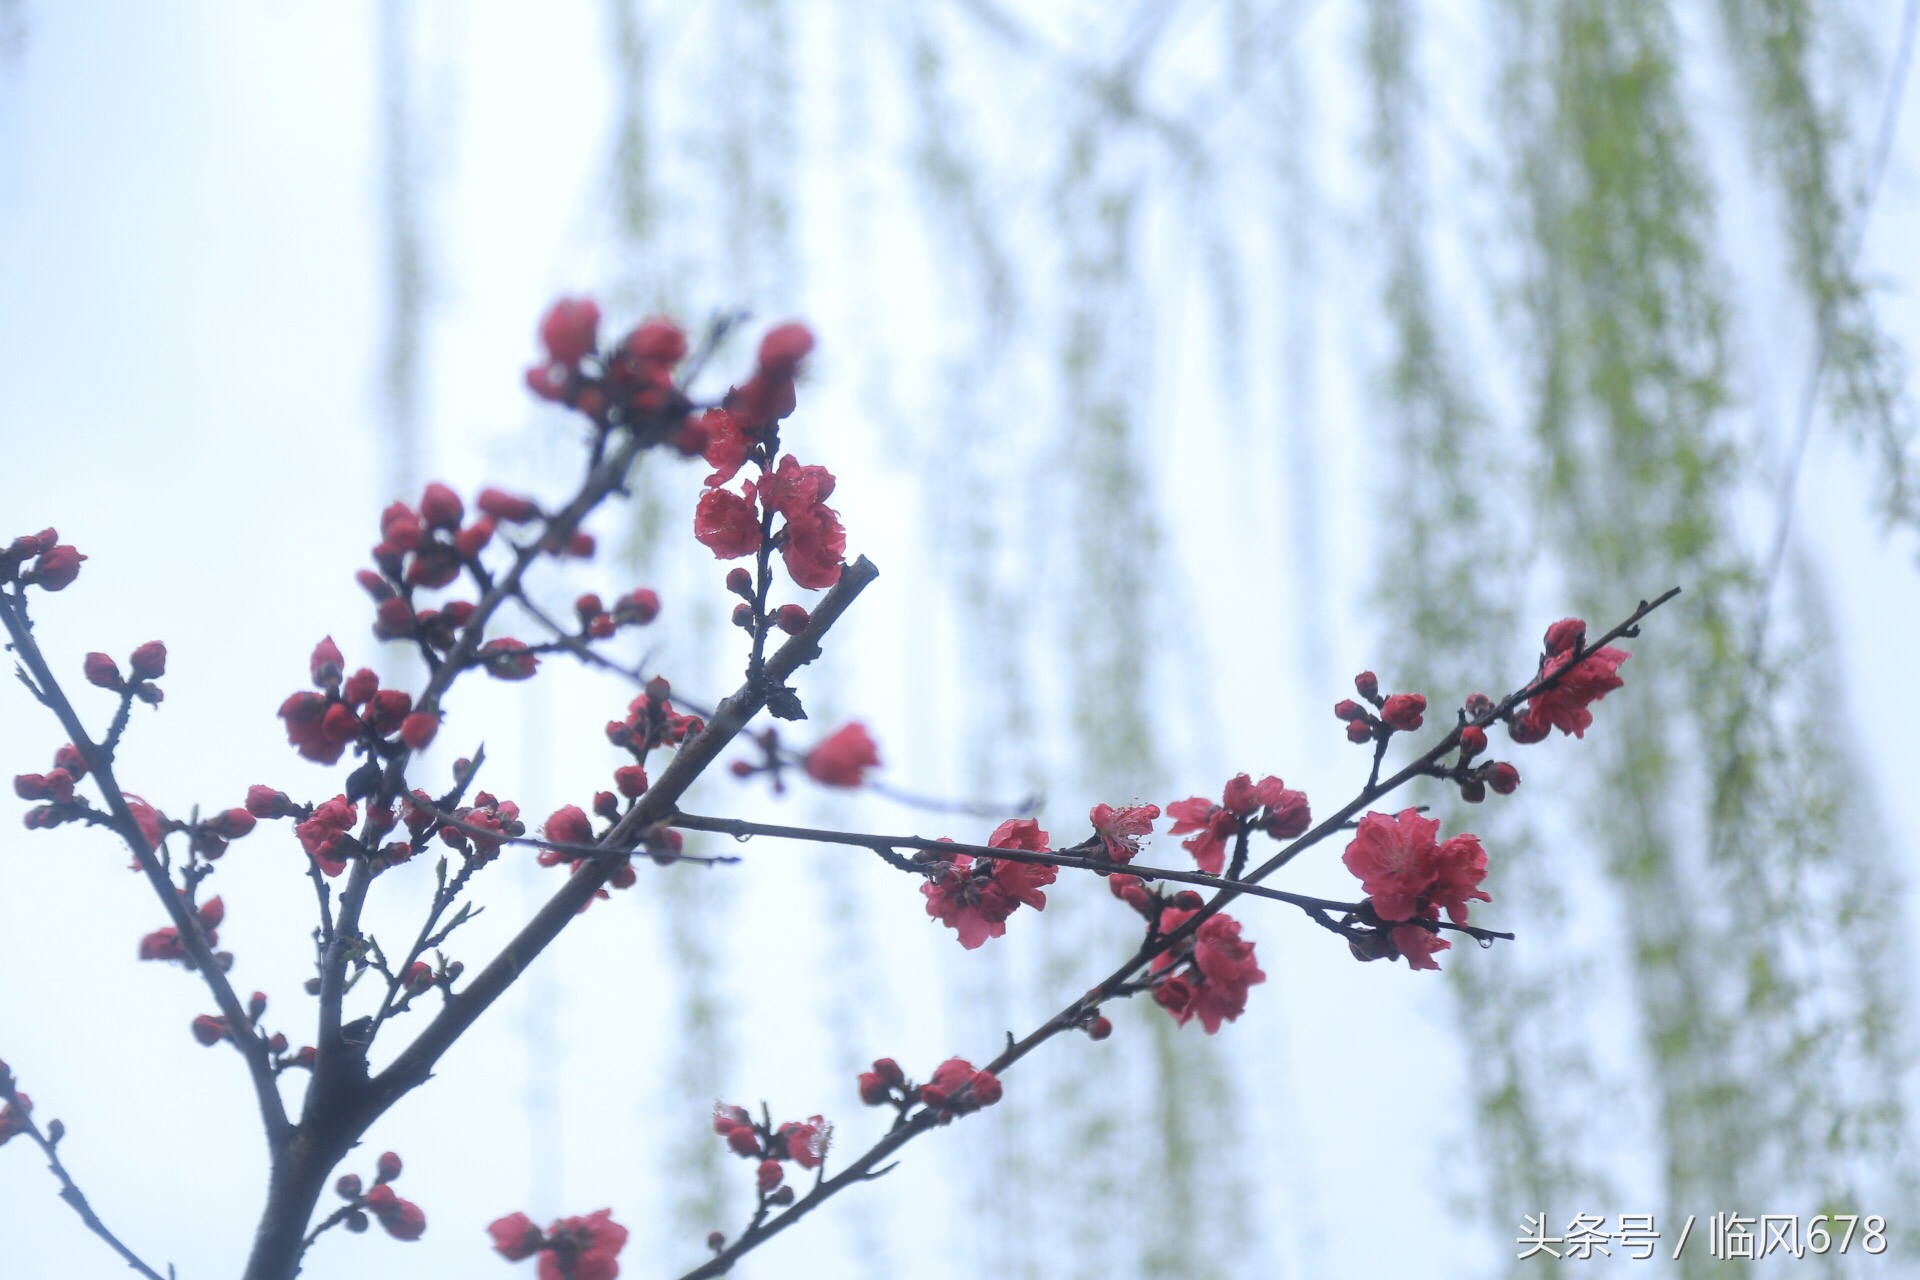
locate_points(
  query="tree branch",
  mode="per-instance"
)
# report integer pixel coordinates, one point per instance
(273, 1113)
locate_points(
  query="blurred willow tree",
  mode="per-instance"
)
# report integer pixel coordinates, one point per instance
(1573, 415)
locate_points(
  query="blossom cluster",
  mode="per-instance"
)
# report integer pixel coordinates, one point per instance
(1409, 876)
(974, 897)
(578, 1248)
(1245, 806)
(804, 1142)
(352, 711)
(1207, 974)
(954, 1089)
(403, 1219)
(54, 566)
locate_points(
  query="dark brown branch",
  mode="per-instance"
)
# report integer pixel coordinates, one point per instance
(69, 1191)
(253, 1048)
(416, 1061)
(1058, 858)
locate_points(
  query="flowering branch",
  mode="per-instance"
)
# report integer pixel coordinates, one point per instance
(99, 762)
(16, 1117)
(1083, 1012)
(1093, 861)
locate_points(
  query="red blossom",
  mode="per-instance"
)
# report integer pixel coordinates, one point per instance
(1212, 826)
(583, 1248)
(441, 507)
(1418, 945)
(323, 834)
(1408, 875)
(1120, 829)
(1564, 707)
(726, 524)
(791, 488)
(806, 1144)
(842, 758)
(102, 670)
(726, 447)
(151, 821)
(815, 547)
(515, 1238)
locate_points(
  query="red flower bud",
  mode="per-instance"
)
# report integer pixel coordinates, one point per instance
(507, 659)
(56, 568)
(1349, 710)
(418, 729)
(232, 824)
(570, 331)
(212, 912)
(743, 1140)
(1404, 710)
(783, 1196)
(631, 779)
(209, 1030)
(873, 1090)
(739, 581)
(348, 1187)
(473, 539)
(339, 725)
(1473, 740)
(441, 507)
(784, 347)
(791, 619)
(639, 606)
(326, 664)
(68, 757)
(743, 615)
(1503, 778)
(359, 686)
(606, 805)
(889, 1070)
(1368, 685)
(393, 619)
(374, 584)
(388, 1165)
(580, 544)
(588, 606)
(257, 1005)
(389, 710)
(1359, 731)
(149, 661)
(1099, 1029)
(102, 670)
(265, 802)
(568, 825)
(769, 1175)
(506, 506)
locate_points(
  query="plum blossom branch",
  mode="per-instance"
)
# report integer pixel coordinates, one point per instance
(417, 1060)
(252, 1047)
(739, 827)
(16, 1117)
(1119, 983)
